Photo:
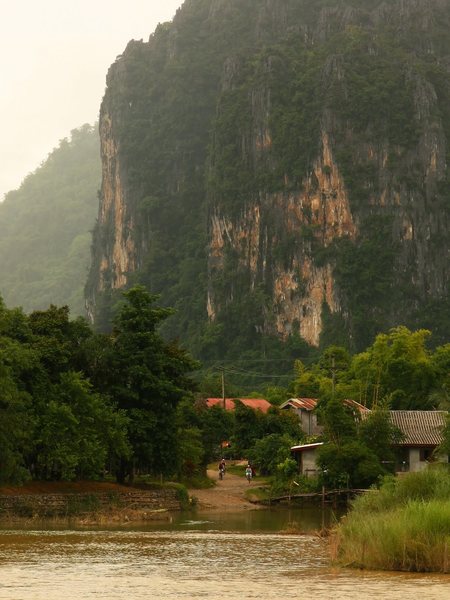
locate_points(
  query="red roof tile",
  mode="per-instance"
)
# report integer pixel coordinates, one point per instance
(254, 403)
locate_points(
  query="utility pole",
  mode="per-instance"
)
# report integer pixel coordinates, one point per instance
(223, 388)
(333, 374)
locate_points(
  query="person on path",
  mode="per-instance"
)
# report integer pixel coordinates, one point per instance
(248, 473)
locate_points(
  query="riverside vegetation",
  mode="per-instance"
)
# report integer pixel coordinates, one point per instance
(75, 404)
(403, 526)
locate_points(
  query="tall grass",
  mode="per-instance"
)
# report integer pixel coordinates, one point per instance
(404, 526)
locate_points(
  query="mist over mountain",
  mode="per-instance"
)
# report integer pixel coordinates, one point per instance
(46, 225)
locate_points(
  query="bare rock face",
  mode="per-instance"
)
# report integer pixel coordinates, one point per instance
(300, 288)
(282, 163)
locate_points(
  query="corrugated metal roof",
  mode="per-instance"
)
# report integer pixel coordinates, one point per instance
(311, 404)
(254, 403)
(420, 427)
(356, 406)
(301, 403)
(306, 447)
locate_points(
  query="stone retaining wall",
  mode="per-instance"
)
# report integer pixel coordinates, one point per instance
(45, 505)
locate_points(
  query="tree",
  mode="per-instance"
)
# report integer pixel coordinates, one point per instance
(441, 365)
(217, 426)
(378, 434)
(270, 451)
(148, 378)
(397, 367)
(79, 432)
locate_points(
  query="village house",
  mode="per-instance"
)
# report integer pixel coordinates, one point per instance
(304, 408)
(422, 434)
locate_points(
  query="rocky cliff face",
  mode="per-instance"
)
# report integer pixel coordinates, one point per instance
(277, 168)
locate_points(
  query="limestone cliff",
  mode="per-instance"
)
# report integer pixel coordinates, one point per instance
(281, 167)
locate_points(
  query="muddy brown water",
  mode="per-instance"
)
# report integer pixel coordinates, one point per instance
(226, 557)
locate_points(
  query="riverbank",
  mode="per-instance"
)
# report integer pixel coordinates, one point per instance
(89, 503)
(102, 503)
(106, 503)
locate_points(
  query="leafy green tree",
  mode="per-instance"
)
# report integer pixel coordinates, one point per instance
(398, 368)
(282, 422)
(349, 458)
(248, 428)
(351, 464)
(191, 453)
(378, 434)
(338, 421)
(16, 424)
(79, 432)
(441, 364)
(148, 377)
(271, 450)
(217, 426)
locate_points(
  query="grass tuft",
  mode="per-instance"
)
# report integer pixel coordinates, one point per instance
(405, 526)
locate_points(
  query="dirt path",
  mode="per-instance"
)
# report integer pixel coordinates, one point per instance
(227, 495)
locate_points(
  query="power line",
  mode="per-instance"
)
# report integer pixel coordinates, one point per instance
(255, 360)
(238, 371)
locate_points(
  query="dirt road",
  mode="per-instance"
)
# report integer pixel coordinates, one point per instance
(227, 495)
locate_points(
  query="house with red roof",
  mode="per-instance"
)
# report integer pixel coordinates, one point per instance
(230, 403)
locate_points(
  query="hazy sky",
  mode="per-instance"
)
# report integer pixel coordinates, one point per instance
(54, 55)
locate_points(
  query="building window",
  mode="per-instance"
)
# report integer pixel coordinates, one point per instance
(426, 454)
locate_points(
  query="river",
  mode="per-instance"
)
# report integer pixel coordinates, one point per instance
(226, 557)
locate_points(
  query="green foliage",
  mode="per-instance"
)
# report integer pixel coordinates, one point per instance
(445, 446)
(78, 432)
(217, 426)
(365, 273)
(147, 378)
(271, 451)
(338, 421)
(378, 434)
(349, 465)
(190, 453)
(397, 367)
(356, 453)
(403, 526)
(57, 419)
(45, 227)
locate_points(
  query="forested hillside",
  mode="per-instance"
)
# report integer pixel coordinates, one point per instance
(45, 227)
(278, 172)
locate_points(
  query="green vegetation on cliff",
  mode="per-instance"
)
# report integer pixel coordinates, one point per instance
(221, 119)
(45, 227)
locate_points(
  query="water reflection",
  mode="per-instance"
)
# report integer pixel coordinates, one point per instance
(193, 558)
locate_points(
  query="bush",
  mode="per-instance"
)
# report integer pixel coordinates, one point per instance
(270, 451)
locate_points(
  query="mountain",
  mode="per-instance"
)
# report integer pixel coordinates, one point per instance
(277, 171)
(46, 225)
